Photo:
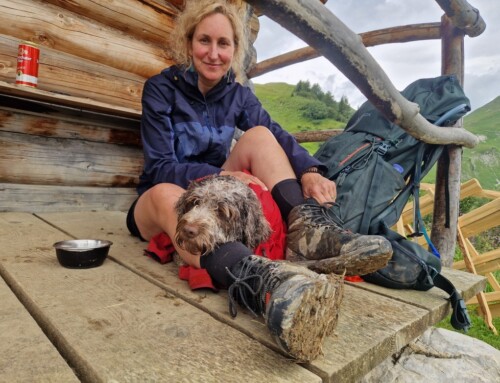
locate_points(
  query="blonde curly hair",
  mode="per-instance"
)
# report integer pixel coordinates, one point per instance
(195, 11)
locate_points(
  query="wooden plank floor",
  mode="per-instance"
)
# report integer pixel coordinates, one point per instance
(132, 319)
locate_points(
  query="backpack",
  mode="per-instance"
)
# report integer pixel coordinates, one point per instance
(377, 167)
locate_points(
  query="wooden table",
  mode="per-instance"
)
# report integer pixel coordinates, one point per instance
(133, 320)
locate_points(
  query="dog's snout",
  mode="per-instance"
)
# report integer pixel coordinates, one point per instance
(190, 231)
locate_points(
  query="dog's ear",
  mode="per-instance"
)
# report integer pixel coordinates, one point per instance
(257, 229)
(186, 202)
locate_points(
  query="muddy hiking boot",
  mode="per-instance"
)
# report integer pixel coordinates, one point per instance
(300, 307)
(317, 240)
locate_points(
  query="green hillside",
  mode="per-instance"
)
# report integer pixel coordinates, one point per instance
(286, 109)
(482, 162)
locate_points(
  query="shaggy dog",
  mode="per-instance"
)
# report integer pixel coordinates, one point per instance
(216, 210)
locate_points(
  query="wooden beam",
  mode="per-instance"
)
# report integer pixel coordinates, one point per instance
(57, 161)
(70, 101)
(47, 198)
(407, 33)
(316, 136)
(71, 75)
(463, 16)
(449, 167)
(65, 31)
(135, 18)
(313, 23)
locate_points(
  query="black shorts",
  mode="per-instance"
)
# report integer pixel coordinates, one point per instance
(131, 225)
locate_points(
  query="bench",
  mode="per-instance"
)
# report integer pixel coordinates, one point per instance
(133, 319)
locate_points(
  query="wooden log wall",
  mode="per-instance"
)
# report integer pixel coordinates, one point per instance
(74, 142)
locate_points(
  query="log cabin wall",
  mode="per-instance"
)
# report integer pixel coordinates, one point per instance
(73, 143)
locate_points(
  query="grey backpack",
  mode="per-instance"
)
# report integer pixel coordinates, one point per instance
(377, 166)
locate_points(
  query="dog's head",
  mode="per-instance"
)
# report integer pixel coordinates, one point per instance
(217, 210)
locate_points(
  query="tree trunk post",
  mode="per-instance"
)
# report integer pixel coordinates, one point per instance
(445, 219)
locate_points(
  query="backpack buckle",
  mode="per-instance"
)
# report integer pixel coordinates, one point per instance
(383, 148)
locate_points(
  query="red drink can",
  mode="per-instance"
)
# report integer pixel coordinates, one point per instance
(28, 55)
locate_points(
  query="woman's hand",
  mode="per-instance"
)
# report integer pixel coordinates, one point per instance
(245, 177)
(314, 185)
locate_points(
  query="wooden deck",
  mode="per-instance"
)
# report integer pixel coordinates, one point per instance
(134, 320)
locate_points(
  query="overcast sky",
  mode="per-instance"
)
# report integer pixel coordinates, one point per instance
(403, 62)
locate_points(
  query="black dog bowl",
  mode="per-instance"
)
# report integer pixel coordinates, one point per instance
(82, 253)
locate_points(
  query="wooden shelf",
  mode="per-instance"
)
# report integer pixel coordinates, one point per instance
(84, 104)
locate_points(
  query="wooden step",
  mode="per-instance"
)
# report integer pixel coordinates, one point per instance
(391, 318)
(26, 354)
(111, 324)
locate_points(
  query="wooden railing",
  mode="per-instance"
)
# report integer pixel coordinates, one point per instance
(470, 224)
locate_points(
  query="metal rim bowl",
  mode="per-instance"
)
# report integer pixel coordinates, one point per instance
(82, 253)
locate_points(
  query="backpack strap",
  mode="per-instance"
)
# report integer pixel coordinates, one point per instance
(364, 225)
(460, 319)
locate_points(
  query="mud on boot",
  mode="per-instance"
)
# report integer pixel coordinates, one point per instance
(317, 239)
(300, 307)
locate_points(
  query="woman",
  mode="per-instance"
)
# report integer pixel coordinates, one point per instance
(190, 112)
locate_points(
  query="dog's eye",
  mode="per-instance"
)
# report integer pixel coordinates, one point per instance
(223, 212)
(192, 204)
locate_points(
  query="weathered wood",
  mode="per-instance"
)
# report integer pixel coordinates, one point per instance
(463, 16)
(164, 5)
(135, 18)
(314, 24)
(406, 33)
(26, 355)
(449, 166)
(481, 219)
(71, 75)
(47, 161)
(434, 300)
(390, 322)
(68, 32)
(316, 136)
(61, 126)
(29, 93)
(112, 325)
(45, 198)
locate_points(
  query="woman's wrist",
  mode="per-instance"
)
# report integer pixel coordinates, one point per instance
(312, 169)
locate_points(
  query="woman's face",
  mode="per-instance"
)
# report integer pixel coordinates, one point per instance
(212, 49)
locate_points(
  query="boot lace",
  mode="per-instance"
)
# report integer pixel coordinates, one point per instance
(256, 278)
(325, 215)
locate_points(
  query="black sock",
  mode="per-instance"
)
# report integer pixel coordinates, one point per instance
(225, 256)
(287, 194)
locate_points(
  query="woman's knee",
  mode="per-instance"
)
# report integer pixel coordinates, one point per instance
(154, 206)
(164, 195)
(258, 135)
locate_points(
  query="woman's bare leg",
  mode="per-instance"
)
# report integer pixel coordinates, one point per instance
(155, 213)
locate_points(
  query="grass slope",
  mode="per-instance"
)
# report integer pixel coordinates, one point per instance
(286, 110)
(483, 161)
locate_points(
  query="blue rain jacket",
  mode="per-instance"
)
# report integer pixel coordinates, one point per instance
(186, 135)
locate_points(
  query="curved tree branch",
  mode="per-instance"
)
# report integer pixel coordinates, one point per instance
(318, 27)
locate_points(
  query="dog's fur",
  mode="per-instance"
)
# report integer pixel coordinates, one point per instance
(217, 210)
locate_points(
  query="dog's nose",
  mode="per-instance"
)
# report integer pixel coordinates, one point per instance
(190, 231)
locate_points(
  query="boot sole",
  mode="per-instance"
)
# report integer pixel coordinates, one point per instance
(305, 315)
(356, 262)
